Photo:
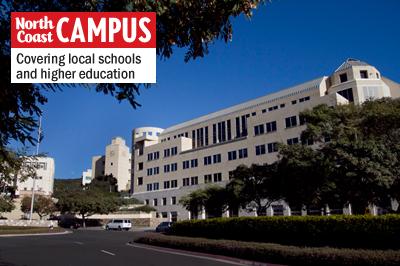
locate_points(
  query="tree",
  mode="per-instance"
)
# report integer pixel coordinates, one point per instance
(180, 24)
(363, 149)
(108, 183)
(256, 185)
(194, 201)
(87, 202)
(42, 205)
(6, 205)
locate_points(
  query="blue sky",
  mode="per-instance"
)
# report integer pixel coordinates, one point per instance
(286, 43)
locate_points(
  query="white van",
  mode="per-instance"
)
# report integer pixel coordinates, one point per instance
(119, 224)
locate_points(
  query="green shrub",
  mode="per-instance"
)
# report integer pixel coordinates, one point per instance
(340, 231)
(144, 208)
(275, 253)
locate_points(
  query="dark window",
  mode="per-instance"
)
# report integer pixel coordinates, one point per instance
(166, 168)
(253, 114)
(271, 126)
(214, 133)
(149, 187)
(364, 74)
(263, 111)
(231, 155)
(207, 160)
(348, 94)
(206, 135)
(156, 186)
(272, 147)
(155, 202)
(291, 121)
(217, 177)
(185, 164)
(294, 101)
(193, 163)
(343, 77)
(186, 182)
(293, 141)
(242, 153)
(140, 166)
(166, 153)
(216, 158)
(282, 105)
(258, 130)
(194, 180)
(377, 75)
(260, 149)
(173, 200)
(140, 181)
(164, 201)
(229, 129)
(174, 183)
(207, 179)
(237, 127)
(174, 150)
(166, 184)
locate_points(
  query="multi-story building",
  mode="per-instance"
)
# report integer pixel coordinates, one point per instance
(44, 183)
(170, 163)
(115, 162)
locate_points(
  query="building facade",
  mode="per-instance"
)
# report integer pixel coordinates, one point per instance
(44, 183)
(170, 163)
(115, 162)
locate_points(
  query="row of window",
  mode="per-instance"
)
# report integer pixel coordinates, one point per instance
(264, 148)
(153, 171)
(268, 128)
(190, 181)
(190, 164)
(163, 202)
(216, 158)
(153, 156)
(232, 155)
(156, 186)
(170, 152)
(217, 177)
(170, 167)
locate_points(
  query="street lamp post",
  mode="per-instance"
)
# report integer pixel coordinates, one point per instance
(34, 177)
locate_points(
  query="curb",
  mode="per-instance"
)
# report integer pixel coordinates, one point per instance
(38, 234)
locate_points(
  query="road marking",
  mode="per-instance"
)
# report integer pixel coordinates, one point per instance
(78, 243)
(107, 252)
(188, 255)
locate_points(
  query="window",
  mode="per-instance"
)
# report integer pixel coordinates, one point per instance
(253, 114)
(156, 155)
(156, 186)
(147, 202)
(166, 184)
(292, 141)
(174, 183)
(242, 153)
(112, 164)
(140, 166)
(149, 157)
(186, 182)
(207, 160)
(307, 142)
(231, 155)
(194, 180)
(271, 126)
(291, 121)
(282, 105)
(156, 170)
(348, 94)
(155, 202)
(343, 77)
(294, 102)
(174, 167)
(173, 200)
(263, 111)
(207, 179)
(272, 147)
(260, 149)
(174, 151)
(140, 181)
(149, 187)
(164, 201)
(193, 163)
(377, 75)
(166, 153)
(304, 99)
(216, 158)
(185, 164)
(258, 130)
(217, 177)
(364, 74)
(166, 168)
(150, 171)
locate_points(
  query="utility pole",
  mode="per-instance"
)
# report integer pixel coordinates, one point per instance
(34, 177)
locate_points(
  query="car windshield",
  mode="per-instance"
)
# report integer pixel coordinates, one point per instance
(164, 223)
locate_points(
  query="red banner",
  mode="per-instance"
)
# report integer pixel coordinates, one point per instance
(83, 30)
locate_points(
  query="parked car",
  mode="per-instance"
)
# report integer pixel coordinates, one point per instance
(69, 223)
(164, 227)
(118, 224)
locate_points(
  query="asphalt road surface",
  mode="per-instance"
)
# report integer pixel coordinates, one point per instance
(86, 247)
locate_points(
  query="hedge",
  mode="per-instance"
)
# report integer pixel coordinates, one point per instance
(275, 253)
(362, 231)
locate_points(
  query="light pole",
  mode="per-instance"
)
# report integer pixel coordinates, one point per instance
(34, 177)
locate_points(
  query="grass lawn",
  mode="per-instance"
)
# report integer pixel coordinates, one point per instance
(6, 230)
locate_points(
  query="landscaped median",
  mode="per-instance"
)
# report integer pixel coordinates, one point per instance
(275, 253)
(26, 230)
(308, 240)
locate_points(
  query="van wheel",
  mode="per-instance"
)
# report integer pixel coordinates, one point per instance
(107, 228)
(119, 228)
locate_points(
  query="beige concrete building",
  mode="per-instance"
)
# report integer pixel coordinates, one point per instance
(44, 183)
(116, 162)
(170, 163)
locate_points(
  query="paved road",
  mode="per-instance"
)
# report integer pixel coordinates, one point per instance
(85, 247)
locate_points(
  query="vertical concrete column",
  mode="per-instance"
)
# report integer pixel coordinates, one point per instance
(225, 214)
(203, 213)
(287, 211)
(255, 212)
(270, 211)
(189, 215)
(373, 210)
(303, 211)
(327, 210)
(169, 217)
